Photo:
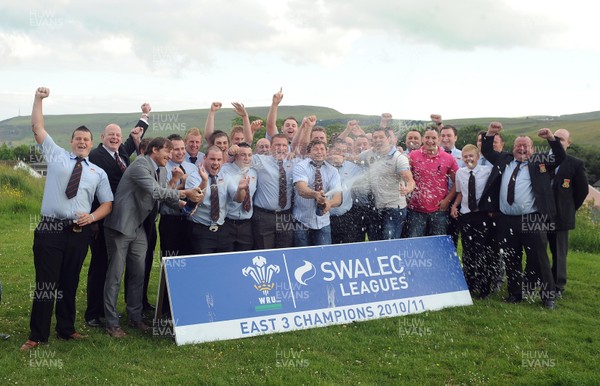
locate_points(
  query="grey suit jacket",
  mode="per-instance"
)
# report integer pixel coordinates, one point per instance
(136, 196)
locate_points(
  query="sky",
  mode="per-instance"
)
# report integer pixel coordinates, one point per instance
(461, 59)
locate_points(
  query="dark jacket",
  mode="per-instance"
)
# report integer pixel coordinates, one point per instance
(570, 187)
(103, 159)
(540, 165)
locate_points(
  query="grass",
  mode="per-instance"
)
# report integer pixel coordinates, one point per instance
(488, 343)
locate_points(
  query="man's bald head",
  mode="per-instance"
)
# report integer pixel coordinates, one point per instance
(565, 137)
(112, 137)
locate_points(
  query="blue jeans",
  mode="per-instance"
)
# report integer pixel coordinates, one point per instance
(392, 222)
(427, 224)
(304, 237)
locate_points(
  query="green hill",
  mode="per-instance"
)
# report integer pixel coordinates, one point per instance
(584, 127)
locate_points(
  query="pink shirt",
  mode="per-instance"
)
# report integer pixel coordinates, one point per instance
(431, 177)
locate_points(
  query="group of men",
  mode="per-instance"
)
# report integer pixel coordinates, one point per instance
(297, 189)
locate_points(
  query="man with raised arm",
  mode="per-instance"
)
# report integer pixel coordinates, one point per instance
(272, 218)
(519, 187)
(290, 125)
(112, 155)
(390, 180)
(570, 186)
(61, 239)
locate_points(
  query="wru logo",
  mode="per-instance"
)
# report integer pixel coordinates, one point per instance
(262, 274)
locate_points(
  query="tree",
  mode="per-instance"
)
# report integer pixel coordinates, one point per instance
(23, 153)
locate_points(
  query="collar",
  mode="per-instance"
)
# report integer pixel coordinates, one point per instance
(112, 153)
(73, 157)
(154, 164)
(427, 155)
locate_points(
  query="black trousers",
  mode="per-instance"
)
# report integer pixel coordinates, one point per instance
(369, 220)
(58, 254)
(516, 233)
(346, 228)
(480, 262)
(272, 230)
(96, 275)
(453, 229)
(174, 235)
(204, 241)
(174, 241)
(241, 234)
(559, 247)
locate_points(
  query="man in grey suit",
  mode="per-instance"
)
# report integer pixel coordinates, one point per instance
(142, 187)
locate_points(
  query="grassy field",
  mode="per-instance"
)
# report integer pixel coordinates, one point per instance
(488, 343)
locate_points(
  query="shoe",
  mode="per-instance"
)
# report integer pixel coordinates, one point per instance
(140, 326)
(548, 304)
(30, 344)
(513, 299)
(94, 322)
(559, 293)
(116, 332)
(73, 336)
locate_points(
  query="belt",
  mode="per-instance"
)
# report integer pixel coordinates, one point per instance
(61, 225)
(273, 211)
(175, 217)
(212, 228)
(236, 222)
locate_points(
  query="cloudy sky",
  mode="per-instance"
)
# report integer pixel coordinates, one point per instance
(465, 58)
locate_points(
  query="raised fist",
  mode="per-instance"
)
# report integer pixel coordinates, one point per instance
(215, 106)
(546, 133)
(256, 125)
(309, 121)
(146, 108)
(494, 128)
(436, 118)
(42, 92)
(385, 119)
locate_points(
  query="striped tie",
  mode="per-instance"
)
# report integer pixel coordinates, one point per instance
(214, 199)
(282, 185)
(120, 162)
(73, 184)
(246, 204)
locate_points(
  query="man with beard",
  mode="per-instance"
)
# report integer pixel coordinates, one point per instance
(138, 197)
